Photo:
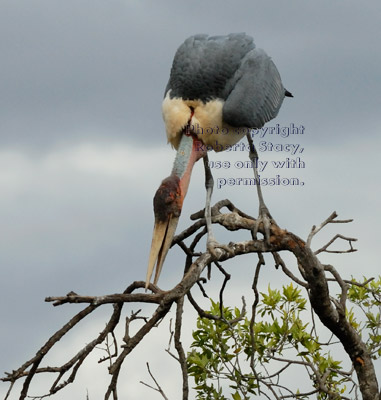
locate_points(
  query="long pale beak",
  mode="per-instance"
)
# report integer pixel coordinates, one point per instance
(163, 233)
(168, 202)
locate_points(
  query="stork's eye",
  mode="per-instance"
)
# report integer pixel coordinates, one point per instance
(170, 198)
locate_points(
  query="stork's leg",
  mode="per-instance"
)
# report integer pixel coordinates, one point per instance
(264, 216)
(211, 243)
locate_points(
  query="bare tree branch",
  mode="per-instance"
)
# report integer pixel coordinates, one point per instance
(179, 347)
(330, 311)
(157, 388)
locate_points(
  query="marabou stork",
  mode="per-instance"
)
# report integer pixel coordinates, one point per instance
(219, 87)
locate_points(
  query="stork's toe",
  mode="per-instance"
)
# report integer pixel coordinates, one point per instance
(266, 220)
(214, 248)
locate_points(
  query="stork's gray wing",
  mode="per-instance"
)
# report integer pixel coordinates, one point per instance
(255, 92)
(204, 64)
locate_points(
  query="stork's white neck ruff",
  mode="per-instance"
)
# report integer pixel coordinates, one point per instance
(206, 122)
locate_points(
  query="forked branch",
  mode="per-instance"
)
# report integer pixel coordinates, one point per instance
(312, 277)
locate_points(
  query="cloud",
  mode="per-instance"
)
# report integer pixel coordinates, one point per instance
(83, 147)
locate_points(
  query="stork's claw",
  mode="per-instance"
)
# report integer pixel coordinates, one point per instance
(266, 219)
(212, 245)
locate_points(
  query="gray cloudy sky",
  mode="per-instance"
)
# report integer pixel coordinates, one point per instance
(83, 147)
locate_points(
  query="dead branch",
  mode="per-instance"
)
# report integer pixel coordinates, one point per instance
(314, 279)
(254, 287)
(349, 240)
(157, 388)
(279, 262)
(179, 347)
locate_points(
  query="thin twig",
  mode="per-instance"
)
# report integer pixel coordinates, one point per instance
(279, 262)
(158, 387)
(221, 295)
(325, 247)
(254, 287)
(179, 347)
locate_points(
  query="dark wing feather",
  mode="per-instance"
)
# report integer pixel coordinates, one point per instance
(204, 65)
(255, 92)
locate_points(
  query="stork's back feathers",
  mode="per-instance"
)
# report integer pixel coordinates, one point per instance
(228, 68)
(203, 65)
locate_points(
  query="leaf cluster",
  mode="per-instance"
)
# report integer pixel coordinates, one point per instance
(233, 360)
(366, 296)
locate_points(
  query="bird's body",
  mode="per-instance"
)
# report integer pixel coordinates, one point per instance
(219, 87)
(227, 82)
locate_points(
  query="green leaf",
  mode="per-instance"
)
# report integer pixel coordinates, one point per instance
(236, 396)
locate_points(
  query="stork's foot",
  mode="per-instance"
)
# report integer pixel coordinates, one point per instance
(266, 219)
(212, 246)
